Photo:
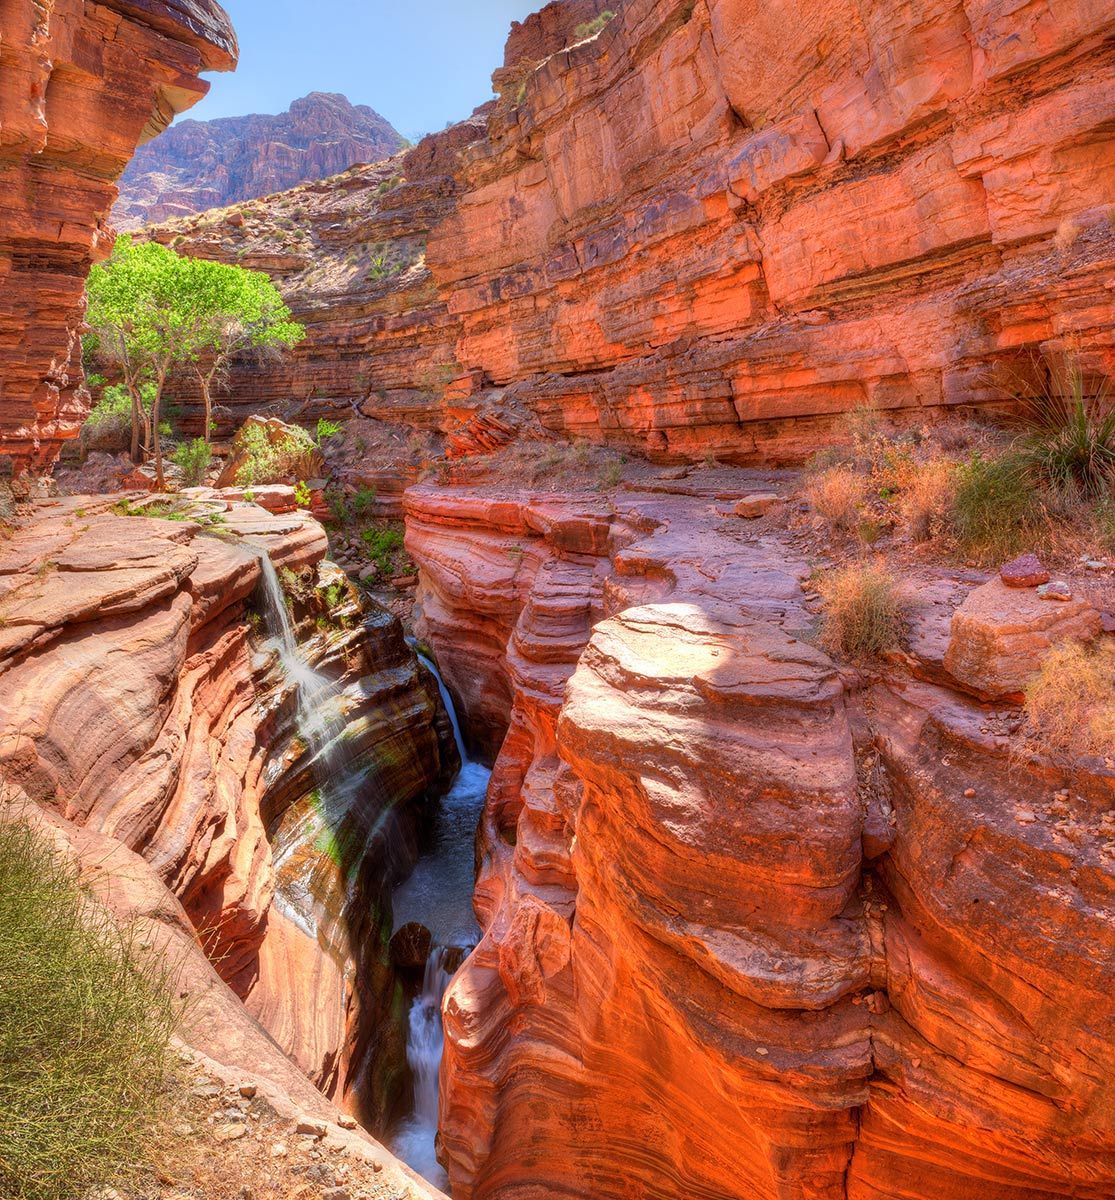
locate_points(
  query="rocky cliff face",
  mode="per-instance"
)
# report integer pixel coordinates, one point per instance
(143, 699)
(81, 86)
(715, 226)
(210, 164)
(753, 926)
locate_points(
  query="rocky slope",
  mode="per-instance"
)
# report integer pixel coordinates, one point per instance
(143, 698)
(81, 86)
(209, 164)
(754, 926)
(711, 229)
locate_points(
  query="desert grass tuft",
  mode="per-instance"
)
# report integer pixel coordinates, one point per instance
(86, 1019)
(864, 614)
(1070, 702)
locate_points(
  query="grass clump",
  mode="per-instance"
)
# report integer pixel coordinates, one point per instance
(1070, 702)
(837, 495)
(383, 545)
(274, 461)
(86, 1019)
(864, 615)
(997, 511)
(591, 28)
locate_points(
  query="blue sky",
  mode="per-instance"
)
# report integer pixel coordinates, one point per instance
(421, 63)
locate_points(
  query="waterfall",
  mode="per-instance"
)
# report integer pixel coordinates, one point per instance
(438, 894)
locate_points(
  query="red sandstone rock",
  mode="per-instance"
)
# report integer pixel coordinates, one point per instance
(1000, 635)
(209, 164)
(693, 980)
(81, 86)
(1025, 571)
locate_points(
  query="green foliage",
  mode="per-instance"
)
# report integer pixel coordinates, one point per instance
(303, 497)
(591, 28)
(327, 429)
(272, 462)
(86, 1018)
(363, 502)
(193, 459)
(1070, 439)
(382, 545)
(115, 406)
(996, 510)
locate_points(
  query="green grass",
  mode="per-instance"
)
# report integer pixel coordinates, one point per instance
(86, 1019)
(997, 511)
(591, 28)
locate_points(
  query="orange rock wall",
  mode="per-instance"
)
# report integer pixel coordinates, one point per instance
(746, 934)
(137, 700)
(719, 215)
(81, 85)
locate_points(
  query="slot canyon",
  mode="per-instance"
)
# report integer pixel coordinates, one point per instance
(519, 819)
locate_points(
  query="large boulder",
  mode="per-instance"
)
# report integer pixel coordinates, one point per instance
(1000, 635)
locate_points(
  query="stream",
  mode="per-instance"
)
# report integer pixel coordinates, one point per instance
(438, 894)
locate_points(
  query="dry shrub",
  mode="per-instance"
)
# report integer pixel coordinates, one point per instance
(837, 496)
(864, 614)
(927, 498)
(1070, 702)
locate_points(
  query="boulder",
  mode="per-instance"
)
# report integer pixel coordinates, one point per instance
(1000, 634)
(1025, 571)
(756, 505)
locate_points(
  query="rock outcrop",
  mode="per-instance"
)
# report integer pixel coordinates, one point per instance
(81, 85)
(753, 927)
(142, 699)
(715, 227)
(210, 164)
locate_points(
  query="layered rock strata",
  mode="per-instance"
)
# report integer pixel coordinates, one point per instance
(81, 85)
(715, 227)
(142, 699)
(209, 164)
(753, 926)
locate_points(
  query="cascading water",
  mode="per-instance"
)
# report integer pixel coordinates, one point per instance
(306, 844)
(438, 894)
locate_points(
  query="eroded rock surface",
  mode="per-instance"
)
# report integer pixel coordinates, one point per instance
(81, 85)
(752, 927)
(141, 697)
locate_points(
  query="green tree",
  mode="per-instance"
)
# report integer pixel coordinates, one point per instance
(152, 310)
(231, 311)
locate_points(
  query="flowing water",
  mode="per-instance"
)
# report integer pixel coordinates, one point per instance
(438, 894)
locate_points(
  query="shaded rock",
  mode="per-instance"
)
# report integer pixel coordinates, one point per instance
(756, 505)
(410, 946)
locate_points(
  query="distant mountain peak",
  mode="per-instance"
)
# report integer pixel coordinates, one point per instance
(197, 165)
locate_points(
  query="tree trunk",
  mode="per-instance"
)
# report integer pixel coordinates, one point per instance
(160, 478)
(137, 425)
(205, 395)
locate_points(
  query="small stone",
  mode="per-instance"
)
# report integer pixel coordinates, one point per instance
(310, 1127)
(762, 1050)
(279, 1150)
(756, 505)
(247, 1090)
(1025, 816)
(970, 793)
(231, 1132)
(206, 1091)
(337, 1193)
(1026, 571)
(1056, 590)
(1096, 564)
(347, 1122)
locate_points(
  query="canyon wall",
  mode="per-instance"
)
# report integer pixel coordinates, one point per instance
(208, 164)
(753, 926)
(81, 85)
(142, 698)
(716, 226)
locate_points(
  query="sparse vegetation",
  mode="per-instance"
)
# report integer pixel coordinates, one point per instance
(837, 495)
(303, 497)
(1070, 702)
(193, 460)
(86, 1018)
(591, 28)
(864, 613)
(273, 461)
(383, 545)
(996, 511)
